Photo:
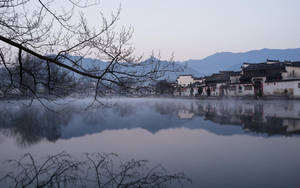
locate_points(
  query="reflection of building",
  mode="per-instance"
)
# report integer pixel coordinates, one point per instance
(266, 117)
(32, 125)
(185, 114)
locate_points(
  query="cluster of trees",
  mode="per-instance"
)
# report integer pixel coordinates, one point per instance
(164, 87)
(36, 77)
(38, 42)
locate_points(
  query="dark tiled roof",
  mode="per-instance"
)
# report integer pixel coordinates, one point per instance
(292, 64)
(270, 76)
(221, 77)
(231, 73)
(272, 60)
(265, 66)
(272, 71)
(217, 78)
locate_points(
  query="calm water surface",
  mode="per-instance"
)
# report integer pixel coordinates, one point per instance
(217, 143)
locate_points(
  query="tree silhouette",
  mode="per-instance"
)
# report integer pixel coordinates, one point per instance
(97, 170)
(62, 38)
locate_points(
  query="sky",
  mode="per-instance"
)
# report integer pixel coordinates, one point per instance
(194, 29)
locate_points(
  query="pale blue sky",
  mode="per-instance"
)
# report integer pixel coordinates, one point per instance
(194, 29)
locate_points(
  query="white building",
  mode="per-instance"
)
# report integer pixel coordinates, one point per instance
(185, 80)
(272, 78)
(289, 88)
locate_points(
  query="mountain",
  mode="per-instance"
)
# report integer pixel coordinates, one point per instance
(145, 66)
(233, 61)
(217, 62)
(180, 69)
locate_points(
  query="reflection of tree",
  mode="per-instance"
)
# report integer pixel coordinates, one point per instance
(165, 108)
(29, 125)
(124, 109)
(97, 170)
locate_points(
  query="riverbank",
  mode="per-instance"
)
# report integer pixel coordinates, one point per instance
(53, 98)
(231, 97)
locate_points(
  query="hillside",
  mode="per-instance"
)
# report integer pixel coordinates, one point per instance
(233, 61)
(211, 64)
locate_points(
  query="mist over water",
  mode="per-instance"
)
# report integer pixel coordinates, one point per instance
(217, 143)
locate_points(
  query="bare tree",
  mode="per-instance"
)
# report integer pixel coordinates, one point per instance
(63, 38)
(98, 170)
(36, 78)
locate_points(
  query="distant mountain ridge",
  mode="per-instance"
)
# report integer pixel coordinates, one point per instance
(233, 61)
(90, 63)
(221, 61)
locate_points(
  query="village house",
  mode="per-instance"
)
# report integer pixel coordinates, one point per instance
(234, 88)
(288, 84)
(272, 78)
(185, 80)
(219, 84)
(198, 86)
(187, 85)
(214, 84)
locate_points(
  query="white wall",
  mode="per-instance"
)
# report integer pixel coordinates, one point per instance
(292, 73)
(292, 125)
(232, 90)
(176, 93)
(240, 90)
(185, 80)
(213, 91)
(247, 92)
(185, 92)
(278, 88)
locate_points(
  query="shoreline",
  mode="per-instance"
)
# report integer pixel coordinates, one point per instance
(231, 97)
(17, 98)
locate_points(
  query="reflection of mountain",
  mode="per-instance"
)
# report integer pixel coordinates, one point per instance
(31, 125)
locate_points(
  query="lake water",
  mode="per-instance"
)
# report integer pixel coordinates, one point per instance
(216, 143)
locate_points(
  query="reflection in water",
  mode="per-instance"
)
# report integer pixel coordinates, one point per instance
(30, 125)
(260, 117)
(215, 143)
